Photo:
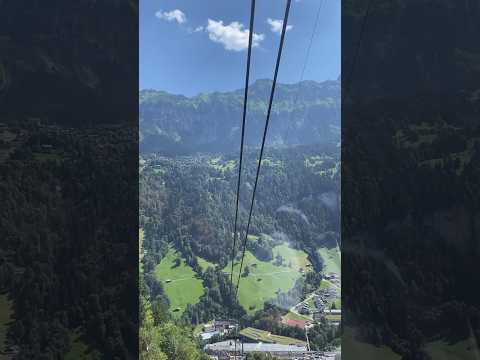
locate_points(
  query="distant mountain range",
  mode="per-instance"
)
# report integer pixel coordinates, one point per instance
(304, 113)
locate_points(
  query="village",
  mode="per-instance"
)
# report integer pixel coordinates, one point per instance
(219, 335)
(253, 340)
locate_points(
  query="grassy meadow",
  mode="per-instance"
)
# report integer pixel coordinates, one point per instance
(181, 283)
(331, 259)
(266, 278)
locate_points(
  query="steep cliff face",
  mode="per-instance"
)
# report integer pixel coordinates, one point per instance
(303, 113)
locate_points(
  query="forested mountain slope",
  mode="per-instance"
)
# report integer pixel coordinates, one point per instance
(304, 113)
(187, 203)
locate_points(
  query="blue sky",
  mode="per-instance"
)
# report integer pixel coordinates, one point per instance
(193, 46)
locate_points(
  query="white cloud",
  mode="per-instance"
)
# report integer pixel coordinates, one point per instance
(198, 28)
(276, 25)
(233, 37)
(174, 15)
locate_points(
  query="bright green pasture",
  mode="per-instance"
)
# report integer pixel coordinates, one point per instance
(265, 278)
(181, 283)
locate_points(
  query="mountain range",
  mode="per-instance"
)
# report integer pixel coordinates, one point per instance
(304, 113)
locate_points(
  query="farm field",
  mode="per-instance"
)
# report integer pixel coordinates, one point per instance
(294, 316)
(331, 259)
(297, 258)
(325, 284)
(333, 317)
(265, 278)
(463, 350)
(351, 348)
(183, 287)
(5, 318)
(267, 337)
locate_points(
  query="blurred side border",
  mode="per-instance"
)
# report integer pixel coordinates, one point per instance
(410, 179)
(69, 179)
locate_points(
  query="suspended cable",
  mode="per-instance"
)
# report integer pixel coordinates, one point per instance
(305, 62)
(272, 93)
(245, 99)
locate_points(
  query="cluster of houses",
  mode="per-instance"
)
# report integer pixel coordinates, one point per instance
(321, 300)
(217, 328)
(323, 296)
(334, 278)
(303, 308)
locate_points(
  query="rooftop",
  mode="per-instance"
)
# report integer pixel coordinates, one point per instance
(297, 323)
(208, 335)
(252, 347)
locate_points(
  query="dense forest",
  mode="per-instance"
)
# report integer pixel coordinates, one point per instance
(188, 202)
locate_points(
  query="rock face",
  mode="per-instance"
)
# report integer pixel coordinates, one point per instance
(303, 113)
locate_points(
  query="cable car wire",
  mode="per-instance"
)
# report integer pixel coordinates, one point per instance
(245, 99)
(305, 63)
(272, 93)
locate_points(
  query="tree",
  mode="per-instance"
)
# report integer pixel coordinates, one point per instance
(278, 260)
(246, 271)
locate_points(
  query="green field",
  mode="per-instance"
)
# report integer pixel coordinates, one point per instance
(5, 318)
(331, 259)
(337, 302)
(204, 264)
(266, 337)
(463, 350)
(265, 278)
(297, 258)
(294, 316)
(351, 348)
(184, 286)
(333, 317)
(325, 284)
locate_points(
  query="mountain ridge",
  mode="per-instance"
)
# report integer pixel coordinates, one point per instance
(302, 113)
